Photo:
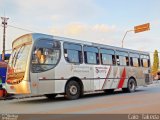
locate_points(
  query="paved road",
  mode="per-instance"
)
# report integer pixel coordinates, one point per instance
(144, 100)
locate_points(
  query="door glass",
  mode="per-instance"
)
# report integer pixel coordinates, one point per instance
(46, 55)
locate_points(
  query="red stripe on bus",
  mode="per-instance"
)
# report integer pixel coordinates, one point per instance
(123, 77)
(106, 77)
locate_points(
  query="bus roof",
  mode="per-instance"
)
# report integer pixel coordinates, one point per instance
(36, 36)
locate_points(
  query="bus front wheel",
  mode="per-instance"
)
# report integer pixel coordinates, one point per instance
(73, 90)
(131, 86)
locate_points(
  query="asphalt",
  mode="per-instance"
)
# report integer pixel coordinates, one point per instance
(144, 100)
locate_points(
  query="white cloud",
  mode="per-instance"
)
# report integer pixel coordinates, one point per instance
(103, 28)
(99, 33)
(75, 28)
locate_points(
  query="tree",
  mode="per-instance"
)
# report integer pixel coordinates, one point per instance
(155, 63)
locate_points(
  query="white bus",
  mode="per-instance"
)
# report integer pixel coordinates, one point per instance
(49, 65)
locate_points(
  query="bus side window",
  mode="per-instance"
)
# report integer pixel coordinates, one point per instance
(66, 54)
(85, 57)
(107, 56)
(127, 61)
(122, 58)
(118, 61)
(131, 61)
(145, 61)
(45, 55)
(149, 63)
(73, 53)
(113, 60)
(142, 62)
(91, 55)
(134, 62)
(139, 62)
(134, 59)
(91, 58)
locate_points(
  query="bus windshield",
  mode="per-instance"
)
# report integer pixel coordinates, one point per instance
(17, 62)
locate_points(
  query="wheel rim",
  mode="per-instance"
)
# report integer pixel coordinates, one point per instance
(132, 86)
(73, 90)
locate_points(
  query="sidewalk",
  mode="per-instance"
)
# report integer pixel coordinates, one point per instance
(155, 83)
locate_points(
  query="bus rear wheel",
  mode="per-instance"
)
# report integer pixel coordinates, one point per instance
(131, 86)
(73, 90)
(51, 96)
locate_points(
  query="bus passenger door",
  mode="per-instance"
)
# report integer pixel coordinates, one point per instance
(45, 57)
(33, 83)
(42, 83)
(46, 82)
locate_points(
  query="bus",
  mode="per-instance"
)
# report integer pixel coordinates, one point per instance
(6, 57)
(49, 65)
(3, 69)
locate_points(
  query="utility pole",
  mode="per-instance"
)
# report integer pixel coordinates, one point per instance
(137, 29)
(125, 36)
(4, 25)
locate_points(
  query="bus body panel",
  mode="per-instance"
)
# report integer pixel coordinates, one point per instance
(21, 88)
(43, 83)
(95, 77)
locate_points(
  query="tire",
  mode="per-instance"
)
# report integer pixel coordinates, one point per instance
(72, 90)
(109, 91)
(131, 86)
(51, 96)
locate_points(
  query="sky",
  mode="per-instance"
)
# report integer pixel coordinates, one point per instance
(100, 21)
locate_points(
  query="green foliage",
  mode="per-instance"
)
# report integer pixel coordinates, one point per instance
(155, 63)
